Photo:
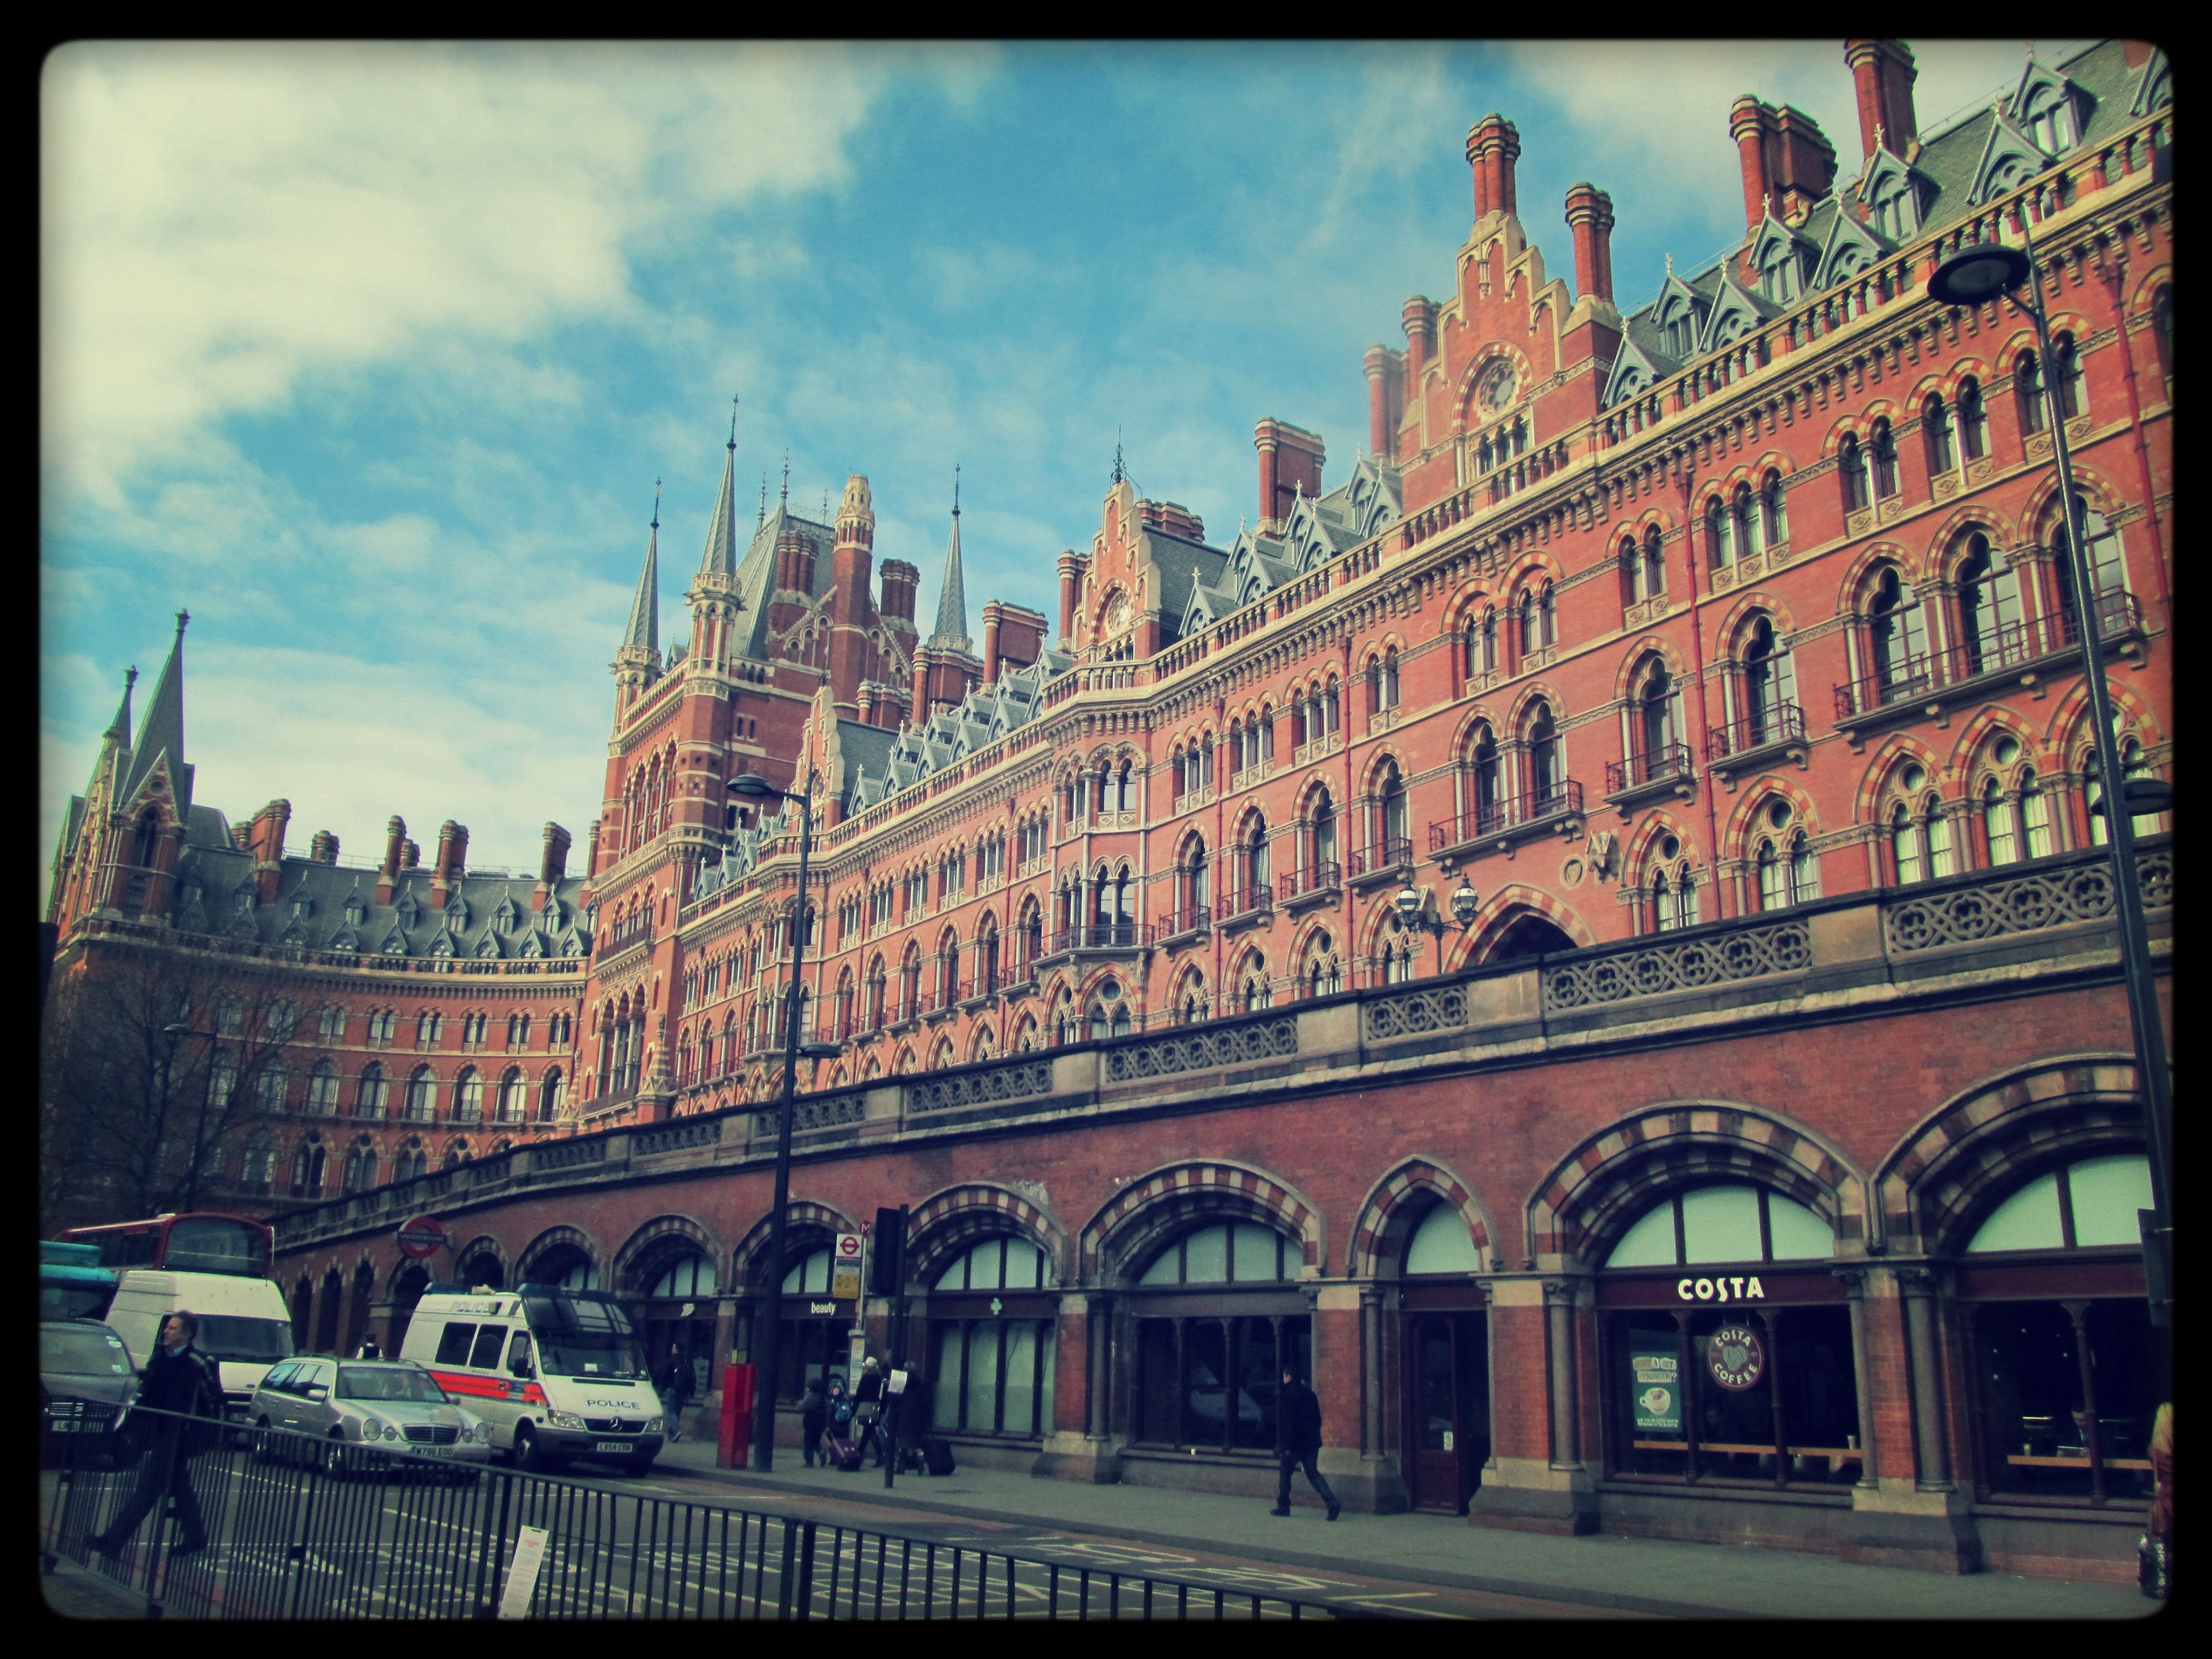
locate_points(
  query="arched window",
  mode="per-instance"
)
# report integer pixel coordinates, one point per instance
(1720, 536)
(1390, 677)
(686, 1276)
(2162, 328)
(2027, 388)
(1484, 794)
(1919, 830)
(513, 1096)
(2067, 1388)
(468, 1095)
(1894, 632)
(1935, 432)
(1989, 608)
(552, 1095)
(1395, 846)
(1321, 861)
(1254, 992)
(1528, 636)
(1881, 452)
(1973, 422)
(1775, 511)
(323, 1089)
(1750, 1356)
(1769, 687)
(257, 1169)
(369, 1101)
(991, 1341)
(1788, 873)
(1442, 1244)
(1547, 768)
(1997, 827)
(1655, 723)
(2107, 563)
(1257, 874)
(1674, 887)
(1323, 973)
(1109, 1011)
(1852, 468)
(1749, 522)
(1547, 619)
(308, 1171)
(1208, 1376)
(2066, 379)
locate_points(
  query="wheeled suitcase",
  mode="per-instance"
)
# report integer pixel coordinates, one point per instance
(842, 1453)
(940, 1457)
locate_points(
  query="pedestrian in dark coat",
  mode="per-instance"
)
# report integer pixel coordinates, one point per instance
(868, 1408)
(181, 1380)
(674, 1381)
(1298, 1412)
(813, 1418)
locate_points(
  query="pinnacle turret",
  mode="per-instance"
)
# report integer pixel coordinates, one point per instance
(720, 558)
(952, 593)
(163, 730)
(644, 629)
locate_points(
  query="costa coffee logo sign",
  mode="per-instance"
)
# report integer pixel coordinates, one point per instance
(1734, 1357)
(1742, 1288)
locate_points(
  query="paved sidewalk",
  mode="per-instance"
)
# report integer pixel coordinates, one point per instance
(1645, 1574)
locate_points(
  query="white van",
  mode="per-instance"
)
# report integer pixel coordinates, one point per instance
(244, 1324)
(556, 1373)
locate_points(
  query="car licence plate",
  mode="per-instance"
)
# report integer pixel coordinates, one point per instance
(615, 1447)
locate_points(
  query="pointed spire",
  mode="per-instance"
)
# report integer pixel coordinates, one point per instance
(163, 730)
(119, 727)
(720, 558)
(952, 591)
(1120, 471)
(644, 628)
(762, 519)
(783, 493)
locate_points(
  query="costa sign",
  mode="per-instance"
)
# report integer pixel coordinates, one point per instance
(1734, 1357)
(1746, 1288)
(425, 1235)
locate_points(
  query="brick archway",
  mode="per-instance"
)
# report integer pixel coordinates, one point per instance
(1944, 1176)
(554, 1239)
(950, 1220)
(650, 1244)
(485, 1244)
(1152, 1206)
(801, 1217)
(1393, 1207)
(1612, 1177)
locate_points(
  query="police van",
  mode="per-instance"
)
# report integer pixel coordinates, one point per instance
(557, 1373)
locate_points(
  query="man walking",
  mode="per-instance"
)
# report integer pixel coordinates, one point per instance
(1300, 1415)
(675, 1385)
(868, 1409)
(181, 1380)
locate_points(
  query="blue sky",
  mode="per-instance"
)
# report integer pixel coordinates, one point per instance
(369, 355)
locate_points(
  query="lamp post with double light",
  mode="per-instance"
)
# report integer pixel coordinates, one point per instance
(753, 786)
(1408, 906)
(1976, 275)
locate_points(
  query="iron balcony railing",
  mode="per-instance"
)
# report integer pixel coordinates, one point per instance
(1102, 936)
(621, 938)
(1388, 853)
(1495, 817)
(1250, 902)
(298, 1527)
(1668, 760)
(1994, 651)
(1188, 920)
(1783, 721)
(1313, 878)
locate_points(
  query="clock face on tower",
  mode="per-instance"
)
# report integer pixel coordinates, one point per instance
(1117, 618)
(1498, 385)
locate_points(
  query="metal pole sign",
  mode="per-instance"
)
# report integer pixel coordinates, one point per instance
(522, 1573)
(845, 1268)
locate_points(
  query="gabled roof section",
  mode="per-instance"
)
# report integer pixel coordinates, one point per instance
(1735, 312)
(161, 733)
(2154, 84)
(1640, 364)
(1885, 173)
(2039, 88)
(2008, 157)
(1850, 248)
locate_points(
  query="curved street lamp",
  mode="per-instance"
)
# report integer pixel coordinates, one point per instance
(1976, 275)
(1408, 904)
(753, 786)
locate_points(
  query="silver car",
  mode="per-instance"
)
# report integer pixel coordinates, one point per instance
(342, 1412)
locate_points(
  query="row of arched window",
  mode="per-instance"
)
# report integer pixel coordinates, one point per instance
(1953, 434)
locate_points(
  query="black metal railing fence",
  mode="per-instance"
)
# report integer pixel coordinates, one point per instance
(296, 1527)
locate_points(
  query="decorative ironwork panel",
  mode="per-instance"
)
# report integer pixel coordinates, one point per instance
(815, 1112)
(1433, 1008)
(1202, 1050)
(2023, 904)
(702, 1132)
(983, 1087)
(1656, 969)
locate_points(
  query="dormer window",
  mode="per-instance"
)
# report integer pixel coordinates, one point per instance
(1897, 215)
(1778, 278)
(2051, 120)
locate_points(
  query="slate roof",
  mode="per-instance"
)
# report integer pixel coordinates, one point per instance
(323, 906)
(163, 730)
(756, 574)
(1313, 530)
(1953, 161)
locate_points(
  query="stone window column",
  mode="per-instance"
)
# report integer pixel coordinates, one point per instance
(1370, 1370)
(1559, 1334)
(1924, 1351)
(1853, 1280)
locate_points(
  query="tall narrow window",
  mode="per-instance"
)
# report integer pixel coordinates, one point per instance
(1804, 870)
(1973, 422)
(1547, 620)
(1750, 522)
(1392, 800)
(1936, 430)
(1720, 536)
(1989, 608)
(1882, 450)
(2027, 386)
(1654, 563)
(1657, 721)
(2066, 364)
(1850, 466)
(1998, 824)
(1544, 768)
(1527, 609)
(1894, 632)
(1485, 779)
(1777, 513)
(2035, 814)
(1904, 844)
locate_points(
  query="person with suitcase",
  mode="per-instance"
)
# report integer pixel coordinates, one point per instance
(837, 1442)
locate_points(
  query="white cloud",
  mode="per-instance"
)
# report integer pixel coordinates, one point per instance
(220, 220)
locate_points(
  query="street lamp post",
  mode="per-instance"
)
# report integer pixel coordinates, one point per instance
(754, 787)
(1408, 906)
(1973, 276)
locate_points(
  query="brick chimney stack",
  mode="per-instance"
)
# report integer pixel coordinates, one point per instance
(395, 846)
(323, 847)
(1290, 464)
(1494, 145)
(1420, 318)
(1381, 429)
(993, 612)
(1806, 169)
(1751, 124)
(899, 580)
(410, 855)
(268, 847)
(1882, 74)
(552, 866)
(1590, 216)
(1070, 575)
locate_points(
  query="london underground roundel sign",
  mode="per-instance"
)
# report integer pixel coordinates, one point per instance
(425, 1235)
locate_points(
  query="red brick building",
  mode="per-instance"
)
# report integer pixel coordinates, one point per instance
(1741, 1141)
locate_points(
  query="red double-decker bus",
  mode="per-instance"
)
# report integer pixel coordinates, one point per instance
(200, 1242)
